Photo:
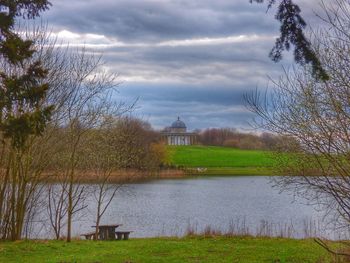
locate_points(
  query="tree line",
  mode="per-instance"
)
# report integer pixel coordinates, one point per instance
(230, 137)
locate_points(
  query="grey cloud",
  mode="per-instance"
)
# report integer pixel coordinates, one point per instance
(229, 64)
(163, 94)
(140, 20)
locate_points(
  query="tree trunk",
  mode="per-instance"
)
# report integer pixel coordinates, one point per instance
(70, 211)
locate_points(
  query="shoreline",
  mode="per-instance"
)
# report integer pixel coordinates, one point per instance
(231, 171)
(135, 176)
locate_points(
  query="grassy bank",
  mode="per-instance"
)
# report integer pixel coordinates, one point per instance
(221, 160)
(195, 249)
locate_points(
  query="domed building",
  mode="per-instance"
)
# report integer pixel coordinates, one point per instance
(177, 134)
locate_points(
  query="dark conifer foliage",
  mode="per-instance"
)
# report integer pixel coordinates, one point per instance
(292, 26)
(22, 78)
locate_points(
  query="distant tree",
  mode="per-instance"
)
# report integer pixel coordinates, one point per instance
(250, 142)
(230, 137)
(160, 155)
(136, 145)
(269, 140)
(292, 26)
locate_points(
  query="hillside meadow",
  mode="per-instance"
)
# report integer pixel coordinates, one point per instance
(221, 160)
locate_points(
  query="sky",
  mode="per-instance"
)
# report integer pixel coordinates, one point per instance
(189, 58)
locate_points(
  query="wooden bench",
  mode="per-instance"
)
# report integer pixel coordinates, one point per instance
(89, 236)
(121, 234)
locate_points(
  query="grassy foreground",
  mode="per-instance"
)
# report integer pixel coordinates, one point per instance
(194, 249)
(222, 160)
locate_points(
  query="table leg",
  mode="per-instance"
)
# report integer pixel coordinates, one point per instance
(103, 234)
(111, 233)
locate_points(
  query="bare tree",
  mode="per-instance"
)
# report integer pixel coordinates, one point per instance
(87, 101)
(119, 143)
(102, 162)
(316, 115)
(56, 207)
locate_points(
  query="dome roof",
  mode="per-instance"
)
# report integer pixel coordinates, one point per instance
(178, 124)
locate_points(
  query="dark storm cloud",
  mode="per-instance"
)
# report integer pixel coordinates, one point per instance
(193, 58)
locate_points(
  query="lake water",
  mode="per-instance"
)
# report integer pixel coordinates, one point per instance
(169, 207)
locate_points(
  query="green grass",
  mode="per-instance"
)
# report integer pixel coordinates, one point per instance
(212, 156)
(196, 249)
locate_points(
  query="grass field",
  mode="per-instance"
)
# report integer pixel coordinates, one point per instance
(195, 249)
(222, 160)
(212, 156)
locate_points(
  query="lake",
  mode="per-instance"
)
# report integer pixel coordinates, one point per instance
(170, 207)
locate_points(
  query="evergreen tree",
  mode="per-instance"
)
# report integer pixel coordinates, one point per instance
(22, 87)
(292, 26)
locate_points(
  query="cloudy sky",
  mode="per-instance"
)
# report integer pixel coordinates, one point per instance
(189, 58)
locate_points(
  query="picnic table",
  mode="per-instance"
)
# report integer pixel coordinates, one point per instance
(121, 234)
(107, 232)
